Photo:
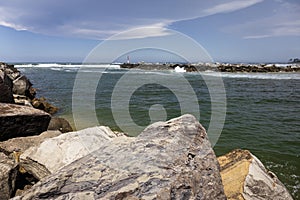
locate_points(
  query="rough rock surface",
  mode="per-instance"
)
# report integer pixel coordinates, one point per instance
(11, 179)
(168, 160)
(61, 124)
(21, 144)
(42, 104)
(57, 152)
(18, 121)
(6, 94)
(8, 173)
(245, 178)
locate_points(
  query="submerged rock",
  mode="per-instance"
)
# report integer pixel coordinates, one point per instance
(18, 121)
(168, 160)
(245, 178)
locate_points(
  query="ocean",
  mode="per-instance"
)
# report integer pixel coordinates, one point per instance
(262, 109)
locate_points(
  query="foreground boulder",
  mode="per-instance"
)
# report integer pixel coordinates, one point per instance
(245, 178)
(57, 152)
(168, 160)
(8, 174)
(12, 179)
(18, 121)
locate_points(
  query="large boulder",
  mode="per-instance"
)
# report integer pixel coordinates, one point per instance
(57, 152)
(245, 178)
(168, 160)
(8, 174)
(21, 85)
(6, 94)
(13, 178)
(18, 121)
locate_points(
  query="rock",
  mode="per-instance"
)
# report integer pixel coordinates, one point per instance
(15, 179)
(22, 100)
(18, 121)
(55, 153)
(244, 177)
(6, 94)
(21, 85)
(168, 160)
(8, 174)
(42, 104)
(21, 144)
(61, 124)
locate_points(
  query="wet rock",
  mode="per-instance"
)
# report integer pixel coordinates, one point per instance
(61, 124)
(168, 160)
(18, 121)
(244, 177)
(42, 104)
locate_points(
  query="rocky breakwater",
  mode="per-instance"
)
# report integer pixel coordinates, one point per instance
(218, 67)
(168, 160)
(17, 88)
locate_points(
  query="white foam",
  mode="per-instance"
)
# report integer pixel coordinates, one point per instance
(179, 69)
(280, 76)
(57, 65)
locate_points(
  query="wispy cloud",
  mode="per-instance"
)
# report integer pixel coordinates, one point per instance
(230, 6)
(282, 21)
(101, 19)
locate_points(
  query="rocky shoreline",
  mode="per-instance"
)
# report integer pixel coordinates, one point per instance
(41, 158)
(217, 67)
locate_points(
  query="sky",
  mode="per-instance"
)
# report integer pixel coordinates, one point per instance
(228, 30)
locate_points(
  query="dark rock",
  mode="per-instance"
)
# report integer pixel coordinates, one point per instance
(61, 124)
(6, 94)
(168, 160)
(17, 121)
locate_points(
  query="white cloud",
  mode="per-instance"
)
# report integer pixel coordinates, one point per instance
(230, 6)
(101, 19)
(284, 21)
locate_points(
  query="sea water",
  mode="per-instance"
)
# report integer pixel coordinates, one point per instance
(263, 109)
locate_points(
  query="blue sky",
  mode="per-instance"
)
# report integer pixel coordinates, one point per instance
(229, 30)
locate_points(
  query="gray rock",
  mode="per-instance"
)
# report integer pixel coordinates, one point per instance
(263, 184)
(245, 177)
(168, 160)
(18, 121)
(61, 124)
(21, 85)
(57, 152)
(21, 144)
(8, 173)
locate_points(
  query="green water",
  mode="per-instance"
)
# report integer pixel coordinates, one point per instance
(263, 110)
